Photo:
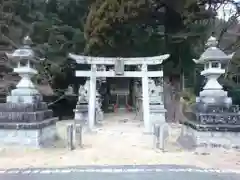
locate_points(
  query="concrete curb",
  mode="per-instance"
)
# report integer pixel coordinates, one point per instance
(113, 170)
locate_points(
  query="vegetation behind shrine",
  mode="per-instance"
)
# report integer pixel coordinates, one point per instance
(113, 28)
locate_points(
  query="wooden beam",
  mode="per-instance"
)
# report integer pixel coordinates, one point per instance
(111, 60)
(126, 74)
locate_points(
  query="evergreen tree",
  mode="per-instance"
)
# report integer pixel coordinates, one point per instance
(124, 28)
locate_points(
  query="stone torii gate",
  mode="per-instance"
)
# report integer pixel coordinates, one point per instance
(119, 71)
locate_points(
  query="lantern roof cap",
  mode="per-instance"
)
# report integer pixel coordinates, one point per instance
(24, 52)
(213, 53)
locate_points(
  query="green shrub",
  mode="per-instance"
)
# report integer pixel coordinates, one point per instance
(188, 96)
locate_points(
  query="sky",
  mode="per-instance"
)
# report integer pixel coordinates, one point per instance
(225, 11)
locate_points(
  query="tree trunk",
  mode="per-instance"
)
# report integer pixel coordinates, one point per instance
(172, 85)
(172, 98)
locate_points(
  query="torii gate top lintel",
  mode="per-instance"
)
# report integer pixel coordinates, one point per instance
(154, 60)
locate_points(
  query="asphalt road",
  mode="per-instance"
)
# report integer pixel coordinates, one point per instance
(162, 172)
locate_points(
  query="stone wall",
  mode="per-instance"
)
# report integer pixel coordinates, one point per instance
(29, 138)
(212, 138)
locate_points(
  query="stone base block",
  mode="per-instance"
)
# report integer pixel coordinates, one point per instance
(193, 139)
(36, 137)
(24, 98)
(157, 118)
(80, 116)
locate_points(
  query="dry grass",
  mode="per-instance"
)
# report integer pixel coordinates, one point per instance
(114, 143)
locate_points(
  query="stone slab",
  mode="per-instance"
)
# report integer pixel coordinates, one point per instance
(212, 127)
(210, 108)
(34, 138)
(25, 117)
(28, 126)
(81, 117)
(213, 139)
(157, 118)
(23, 107)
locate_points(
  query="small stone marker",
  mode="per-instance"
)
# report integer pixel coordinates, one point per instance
(160, 135)
(156, 134)
(78, 135)
(164, 134)
(70, 137)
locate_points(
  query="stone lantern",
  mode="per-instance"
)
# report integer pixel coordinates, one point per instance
(213, 120)
(25, 61)
(213, 59)
(25, 119)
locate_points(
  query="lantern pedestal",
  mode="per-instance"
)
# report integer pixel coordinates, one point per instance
(213, 92)
(25, 119)
(213, 120)
(26, 92)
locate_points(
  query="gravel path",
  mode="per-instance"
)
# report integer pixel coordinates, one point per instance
(119, 141)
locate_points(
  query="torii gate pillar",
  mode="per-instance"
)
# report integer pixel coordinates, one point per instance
(145, 98)
(92, 98)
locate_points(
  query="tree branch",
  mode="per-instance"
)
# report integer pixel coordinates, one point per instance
(9, 41)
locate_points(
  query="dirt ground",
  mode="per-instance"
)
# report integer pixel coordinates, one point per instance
(119, 141)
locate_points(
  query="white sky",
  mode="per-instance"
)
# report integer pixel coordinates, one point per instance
(226, 11)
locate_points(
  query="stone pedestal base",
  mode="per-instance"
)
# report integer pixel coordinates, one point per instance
(34, 135)
(193, 139)
(99, 117)
(80, 116)
(81, 113)
(29, 96)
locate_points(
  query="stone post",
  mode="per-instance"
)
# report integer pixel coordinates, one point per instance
(99, 112)
(145, 104)
(92, 98)
(160, 135)
(70, 141)
(81, 111)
